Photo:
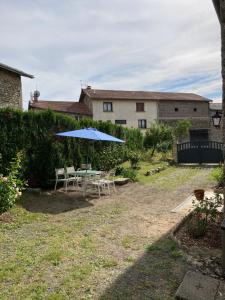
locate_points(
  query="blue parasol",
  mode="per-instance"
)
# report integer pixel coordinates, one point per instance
(90, 134)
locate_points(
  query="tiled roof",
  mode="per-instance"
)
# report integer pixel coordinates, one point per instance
(215, 105)
(140, 95)
(19, 72)
(62, 106)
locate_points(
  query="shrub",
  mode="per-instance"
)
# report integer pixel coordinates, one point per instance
(126, 173)
(157, 135)
(11, 185)
(181, 130)
(134, 158)
(218, 176)
(34, 132)
(204, 213)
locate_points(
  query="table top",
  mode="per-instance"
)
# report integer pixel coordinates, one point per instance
(87, 172)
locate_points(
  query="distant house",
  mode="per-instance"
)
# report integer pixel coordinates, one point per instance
(74, 109)
(138, 109)
(11, 87)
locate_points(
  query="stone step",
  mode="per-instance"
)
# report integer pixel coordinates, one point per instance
(196, 286)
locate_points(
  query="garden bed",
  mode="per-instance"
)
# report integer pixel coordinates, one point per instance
(205, 241)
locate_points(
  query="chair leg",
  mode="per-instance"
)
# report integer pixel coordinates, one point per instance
(55, 184)
(108, 188)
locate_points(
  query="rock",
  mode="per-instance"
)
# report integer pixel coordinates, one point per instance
(196, 286)
(121, 181)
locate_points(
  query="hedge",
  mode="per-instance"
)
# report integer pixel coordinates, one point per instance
(34, 133)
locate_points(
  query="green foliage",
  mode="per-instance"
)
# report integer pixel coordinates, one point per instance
(134, 158)
(204, 213)
(218, 176)
(34, 133)
(11, 185)
(127, 173)
(158, 136)
(181, 129)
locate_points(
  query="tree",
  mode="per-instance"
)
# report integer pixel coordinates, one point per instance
(157, 134)
(181, 130)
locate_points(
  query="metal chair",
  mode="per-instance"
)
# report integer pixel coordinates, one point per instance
(60, 176)
(93, 182)
(85, 166)
(109, 180)
(72, 177)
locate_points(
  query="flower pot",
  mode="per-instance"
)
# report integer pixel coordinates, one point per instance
(199, 194)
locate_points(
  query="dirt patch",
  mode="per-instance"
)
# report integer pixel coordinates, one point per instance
(206, 241)
(6, 217)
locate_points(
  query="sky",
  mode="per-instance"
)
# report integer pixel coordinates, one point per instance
(152, 45)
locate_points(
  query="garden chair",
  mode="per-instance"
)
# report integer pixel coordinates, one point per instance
(109, 180)
(72, 177)
(93, 182)
(60, 176)
(85, 166)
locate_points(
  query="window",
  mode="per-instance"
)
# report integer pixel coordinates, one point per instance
(120, 122)
(107, 106)
(142, 124)
(140, 106)
(195, 109)
(176, 109)
(78, 118)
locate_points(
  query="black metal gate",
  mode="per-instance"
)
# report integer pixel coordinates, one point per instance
(200, 152)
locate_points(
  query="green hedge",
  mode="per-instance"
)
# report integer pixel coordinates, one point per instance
(34, 132)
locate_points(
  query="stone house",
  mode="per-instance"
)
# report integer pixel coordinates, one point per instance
(11, 87)
(138, 109)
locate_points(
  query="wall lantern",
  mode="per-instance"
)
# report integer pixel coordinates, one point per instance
(216, 119)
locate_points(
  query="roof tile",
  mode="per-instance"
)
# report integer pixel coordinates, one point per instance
(62, 106)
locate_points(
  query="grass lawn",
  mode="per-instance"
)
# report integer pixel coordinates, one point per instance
(62, 247)
(162, 178)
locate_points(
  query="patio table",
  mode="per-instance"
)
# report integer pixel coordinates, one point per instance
(83, 173)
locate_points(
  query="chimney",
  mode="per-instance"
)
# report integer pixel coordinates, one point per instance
(88, 87)
(36, 95)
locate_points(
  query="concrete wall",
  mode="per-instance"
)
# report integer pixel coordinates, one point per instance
(10, 89)
(125, 110)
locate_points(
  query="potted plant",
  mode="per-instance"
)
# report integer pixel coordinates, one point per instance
(199, 194)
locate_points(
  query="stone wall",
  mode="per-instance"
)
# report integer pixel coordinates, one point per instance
(10, 89)
(182, 109)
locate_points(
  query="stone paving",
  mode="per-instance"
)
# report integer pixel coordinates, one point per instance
(196, 286)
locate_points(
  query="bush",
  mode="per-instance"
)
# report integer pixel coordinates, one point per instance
(181, 130)
(158, 136)
(11, 185)
(126, 173)
(34, 132)
(218, 176)
(134, 158)
(204, 213)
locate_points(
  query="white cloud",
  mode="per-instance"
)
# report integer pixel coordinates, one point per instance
(146, 44)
